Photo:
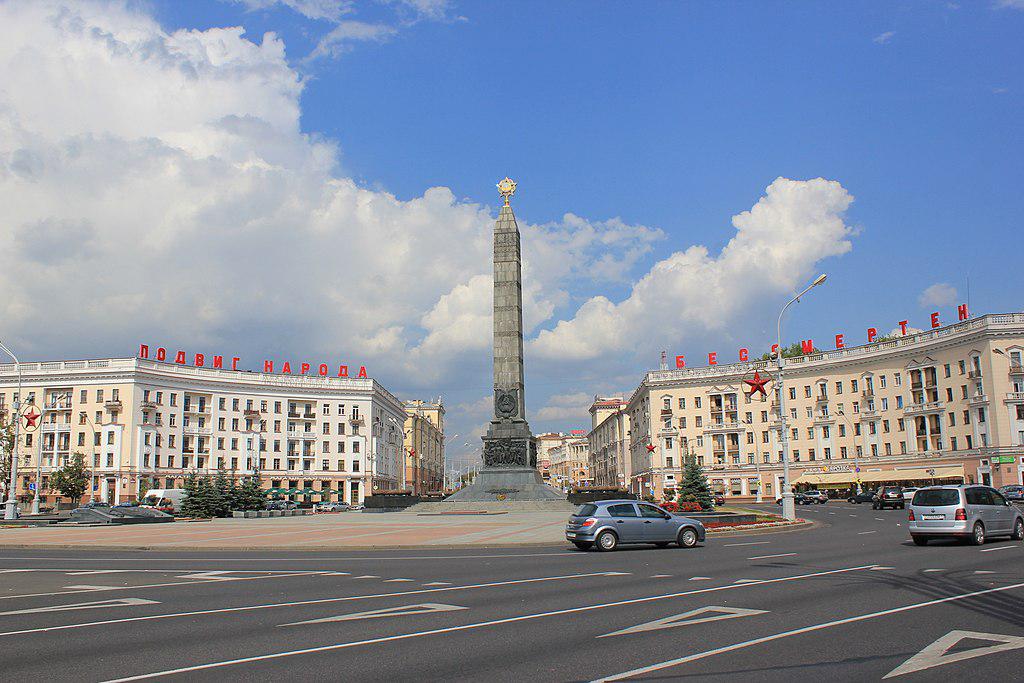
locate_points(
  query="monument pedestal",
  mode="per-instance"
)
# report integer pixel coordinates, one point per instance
(506, 484)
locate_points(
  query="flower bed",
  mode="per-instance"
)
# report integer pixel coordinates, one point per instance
(733, 526)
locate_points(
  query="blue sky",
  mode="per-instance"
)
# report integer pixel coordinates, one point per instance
(672, 117)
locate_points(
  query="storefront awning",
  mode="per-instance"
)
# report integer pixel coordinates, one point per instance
(910, 474)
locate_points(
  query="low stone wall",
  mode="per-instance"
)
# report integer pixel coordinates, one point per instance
(390, 502)
(253, 514)
(589, 496)
(720, 517)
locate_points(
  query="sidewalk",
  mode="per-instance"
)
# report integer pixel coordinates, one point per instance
(339, 530)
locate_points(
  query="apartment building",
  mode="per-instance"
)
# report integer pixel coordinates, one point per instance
(570, 461)
(424, 446)
(135, 420)
(945, 405)
(608, 442)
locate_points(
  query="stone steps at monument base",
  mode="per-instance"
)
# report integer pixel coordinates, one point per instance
(437, 507)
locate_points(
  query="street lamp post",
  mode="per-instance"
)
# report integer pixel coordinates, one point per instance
(788, 509)
(10, 511)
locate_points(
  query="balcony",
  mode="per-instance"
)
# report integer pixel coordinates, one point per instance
(868, 393)
(252, 413)
(305, 436)
(200, 409)
(56, 427)
(356, 420)
(868, 415)
(149, 405)
(923, 408)
(974, 374)
(821, 398)
(977, 399)
(1014, 397)
(1016, 369)
(193, 430)
(112, 405)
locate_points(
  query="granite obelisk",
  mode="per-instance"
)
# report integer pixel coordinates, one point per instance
(510, 451)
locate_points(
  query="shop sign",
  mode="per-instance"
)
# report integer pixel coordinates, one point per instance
(1005, 459)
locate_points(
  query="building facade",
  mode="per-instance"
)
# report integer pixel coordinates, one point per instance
(570, 462)
(424, 446)
(141, 422)
(945, 405)
(545, 444)
(608, 442)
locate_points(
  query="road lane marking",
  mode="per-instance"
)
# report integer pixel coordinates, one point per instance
(933, 570)
(728, 545)
(366, 576)
(700, 578)
(317, 601)
(765, 557)
(880, 519)
(661, 576)
(438, 583)
(467, 627)
(396, 580)
(425, 608)
(935, 654)
(862, 533)
(215, 575)
(785, 634)
(82, 589)
(984, 571)
(98, 604)
(880, 568)
(87, 572)
(248, 560)
(687, 619)
(1002, 547)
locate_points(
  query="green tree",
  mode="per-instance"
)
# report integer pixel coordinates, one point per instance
(223, 494)
(144, 486)
(193, 504)
(792, 351)
(6, 453)
(250, 495)
(694, 487)
(72, 479)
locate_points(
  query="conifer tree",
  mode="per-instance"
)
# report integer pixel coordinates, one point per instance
(694, 487)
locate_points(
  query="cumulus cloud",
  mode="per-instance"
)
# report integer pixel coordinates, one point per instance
(571, 408)
(939, 294)
(883, 38)
(331, 10)
(777, 244)
(167, 177)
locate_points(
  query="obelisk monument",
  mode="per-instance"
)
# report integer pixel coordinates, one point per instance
(510, 451)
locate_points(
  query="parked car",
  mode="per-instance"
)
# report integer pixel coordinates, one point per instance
(798, 499)
(909, 492)
(862, 497)
(281, 505)
(128, 504)
(606, 524)
(331, 507)
(719, 499)
(95, 505)
(1012, 492)
(888, 496)
(968, 512)
(356, 507)
(816, 496)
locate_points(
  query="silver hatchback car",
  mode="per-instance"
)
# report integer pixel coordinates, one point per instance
(607, 523)
(971, 512)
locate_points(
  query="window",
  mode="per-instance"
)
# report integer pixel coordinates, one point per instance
(174, 399)
(885, 404)
(952, 442)
(885, 426)
(696, 401)
(624, 510)
(355, 465)
(899, 403)
(682, 423)
(341, 446)
(234, 444)
(341, 465)
(807, 391)
(325, 465)
(839, 387)
(792, 393)
(853, 385)
(842, 452)
(682, 403)
(355, 446)
(881, 381)
(897, 379)
(699, 421)
(981, 415)
(842, 430)
(99, 396)
(326, 447)
(961, 367)
(82, 396)
(649, 511)
(327, 428)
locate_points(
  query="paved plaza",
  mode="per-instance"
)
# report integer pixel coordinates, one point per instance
(332, 530)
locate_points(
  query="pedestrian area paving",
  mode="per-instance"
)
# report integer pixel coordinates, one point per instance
(337, 530)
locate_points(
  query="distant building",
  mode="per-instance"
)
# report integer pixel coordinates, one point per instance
(424, 446)
(545, 444)
(609, 442)
(570, 461)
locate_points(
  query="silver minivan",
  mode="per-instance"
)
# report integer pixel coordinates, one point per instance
(971, 512)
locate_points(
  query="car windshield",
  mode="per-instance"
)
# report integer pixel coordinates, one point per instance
(936, 497)
(586, 510)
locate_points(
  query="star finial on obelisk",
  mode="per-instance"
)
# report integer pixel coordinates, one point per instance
(507, 188)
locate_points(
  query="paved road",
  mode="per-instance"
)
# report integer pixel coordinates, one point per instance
(849, 600)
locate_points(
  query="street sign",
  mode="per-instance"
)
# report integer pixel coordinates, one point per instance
(32, 486)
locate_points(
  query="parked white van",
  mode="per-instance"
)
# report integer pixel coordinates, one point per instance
(165, 500)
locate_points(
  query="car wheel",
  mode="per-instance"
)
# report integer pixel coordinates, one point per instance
(920, 540)
(687, 538)
(978, 534)
(662, 544)
(583, 545)
(607, 541)
(903, 506)
(1018, 530)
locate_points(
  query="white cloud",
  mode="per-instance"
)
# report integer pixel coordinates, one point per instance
(1010, 4)
(177, 201)
(572, 408)
(341, 37)
(939, 294)
(883, 38)
(776, 247)
(330, 10)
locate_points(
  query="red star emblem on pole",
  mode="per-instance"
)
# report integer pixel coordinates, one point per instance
(650, 448)
(757, 384)
(31, 415)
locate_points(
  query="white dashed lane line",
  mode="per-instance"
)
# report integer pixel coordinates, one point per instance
(437, 583)
(933, 570)
(1002, 547)
(765, 557)
(700, 578)
(662, 576)
(861, 533)
(727, 545)
(395, 580)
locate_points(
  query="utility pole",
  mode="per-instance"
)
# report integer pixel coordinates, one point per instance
(10, 511)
